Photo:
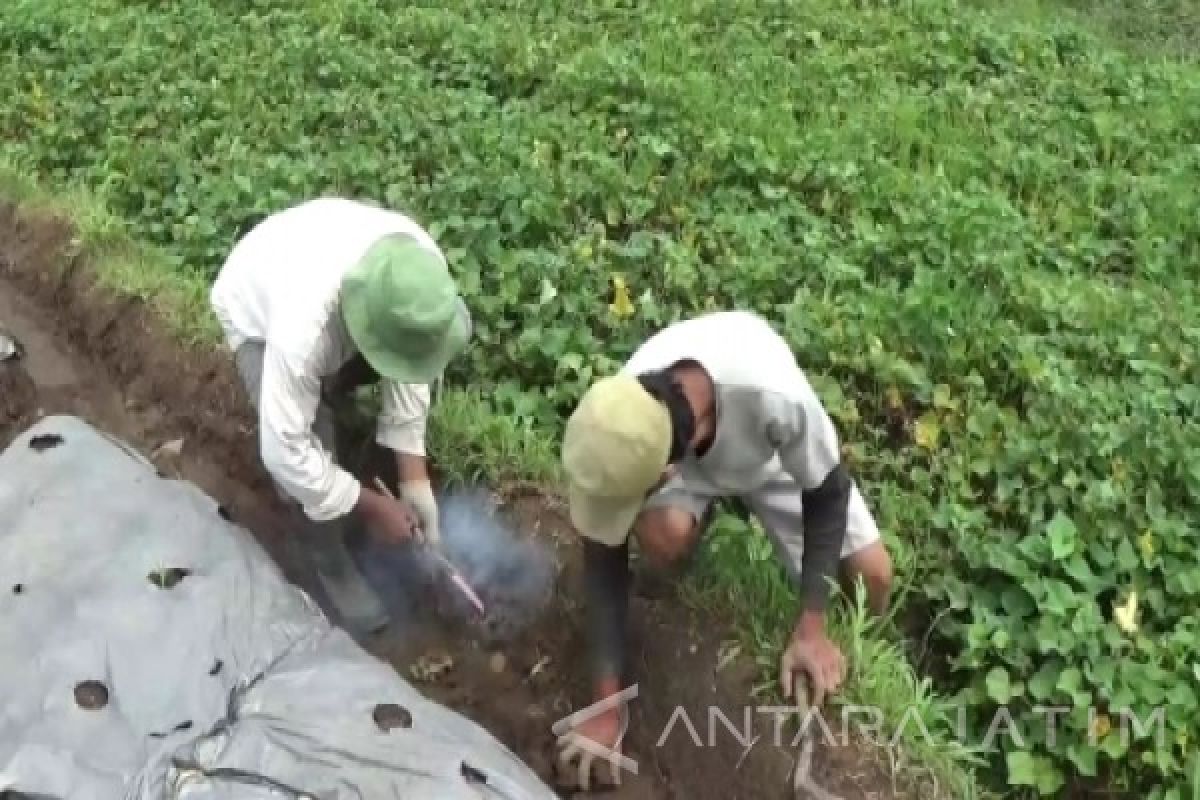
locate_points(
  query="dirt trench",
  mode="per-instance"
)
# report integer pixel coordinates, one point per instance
(112, 362)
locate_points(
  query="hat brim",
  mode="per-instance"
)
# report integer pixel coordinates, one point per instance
(606, 520)
(423, 369)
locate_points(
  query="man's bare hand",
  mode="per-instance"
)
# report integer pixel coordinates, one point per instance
(604, 731)
(815, 656)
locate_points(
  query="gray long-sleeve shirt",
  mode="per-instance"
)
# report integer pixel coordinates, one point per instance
(769, 422)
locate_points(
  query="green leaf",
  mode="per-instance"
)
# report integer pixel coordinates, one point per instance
(1182, 696)
(1059, 597)
(1101, 555)
(1026, 769)
(1044, 681)
(1114, 745)
(1069, 680)
(1063, 535)
(1049, 778)
(1017, 602)
(1102, 674)
(1049, 636)
(1127, 558)
(1078, 570)
(1022, 769)
(999, 687)
(1083, 756)
(572, 362)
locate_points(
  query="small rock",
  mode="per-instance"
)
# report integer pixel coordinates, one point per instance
(542, 663)
(173, 449)
(9, 346)
(728, 652)
(431, 666)
(498, 662)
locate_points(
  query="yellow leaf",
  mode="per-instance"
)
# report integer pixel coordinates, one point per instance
(1101, 726)
(927, 432)
(1126, 615)
(1146, 544)
(942, 398)
(622, 306)
(894, 401)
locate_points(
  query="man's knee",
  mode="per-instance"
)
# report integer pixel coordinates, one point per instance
(666, 535)
(873, 565)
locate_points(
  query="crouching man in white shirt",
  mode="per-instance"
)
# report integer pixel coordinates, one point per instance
(311, 293)
(708, 408)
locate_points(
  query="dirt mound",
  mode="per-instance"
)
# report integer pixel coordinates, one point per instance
(18, 398)
(111, 361)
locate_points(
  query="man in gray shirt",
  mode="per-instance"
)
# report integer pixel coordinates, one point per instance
(711, 407)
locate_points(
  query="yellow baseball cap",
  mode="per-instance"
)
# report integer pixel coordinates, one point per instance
(614, 451)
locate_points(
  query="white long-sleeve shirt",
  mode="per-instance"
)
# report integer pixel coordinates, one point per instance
(280, 286)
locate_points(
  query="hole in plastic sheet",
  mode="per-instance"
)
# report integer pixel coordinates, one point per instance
(168, 578)
(45, 441)
(224, 514)
(18, 588)
(473, 775)
(91, 695)
(216, 667)
(389, 715)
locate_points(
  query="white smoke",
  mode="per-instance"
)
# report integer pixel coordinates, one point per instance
(512, 574)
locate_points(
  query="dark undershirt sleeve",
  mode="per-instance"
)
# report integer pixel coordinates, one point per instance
(809, 449)
(606, 579)
(826, 509)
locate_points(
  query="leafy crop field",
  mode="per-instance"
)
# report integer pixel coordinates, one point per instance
(981, 235)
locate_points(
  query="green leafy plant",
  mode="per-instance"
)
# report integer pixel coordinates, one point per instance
(980, 235)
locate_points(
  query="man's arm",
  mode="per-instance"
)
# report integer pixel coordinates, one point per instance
(403, 417)
(401, 428)
(291, 451)
(810, 452)
(411, 468)
(606, 580)
(825, 516)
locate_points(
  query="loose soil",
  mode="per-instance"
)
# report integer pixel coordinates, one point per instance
(112, 362)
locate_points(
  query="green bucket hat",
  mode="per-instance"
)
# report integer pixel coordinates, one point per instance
(402, 310)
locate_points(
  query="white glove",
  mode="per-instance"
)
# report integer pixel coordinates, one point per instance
(419, 495)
